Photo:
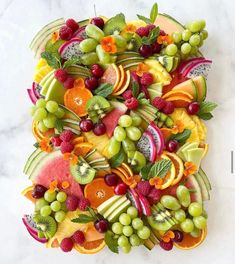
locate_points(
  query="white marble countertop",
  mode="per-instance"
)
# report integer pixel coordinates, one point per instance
(19, 20)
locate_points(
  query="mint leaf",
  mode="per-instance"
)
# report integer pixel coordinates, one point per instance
(36, 145)
(71, 62)
(182, 137)
(205, 116)
(117, 159)
(145, 19)
(59, 125)
(111, 242)
(154, 13)
(141, 96)
(83, 219)
(135, 88)
(144, 172)
(151, 37)
(52, 59)
(207, 107)
(160, 168)
(104, 90)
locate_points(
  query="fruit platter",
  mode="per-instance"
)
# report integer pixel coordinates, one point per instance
(118, 116)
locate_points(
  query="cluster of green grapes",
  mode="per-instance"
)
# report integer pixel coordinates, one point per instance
(130, 230)
(186, 43)
(46, 113)
(125, 134)
(53, 204)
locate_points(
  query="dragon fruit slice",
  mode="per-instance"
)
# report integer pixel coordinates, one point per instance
(70, 49)
(199, 68)
(146, 208)
(32, 96)
(158, 137)
(80, 33)
(36, 89)
(186, 64)
(147, 146)
(134, 198)
(31, 228)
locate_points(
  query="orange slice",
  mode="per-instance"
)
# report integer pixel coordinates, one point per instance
(177, 93)
(78, 140)
(169, 178)
(81, 149)
(125, 85)
(124, 172)
(41, 135)
(91, 247)
(122, 78)
(98, 192)
(179, 101)
(76, 98)
(28, 193)
(111, 75)
(127, 169)
(190, 242)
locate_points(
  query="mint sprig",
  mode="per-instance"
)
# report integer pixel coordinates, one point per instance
(104, 90)
(151, 37)
(205, 110)
(86, 218)
(53, 59)
(71, 62)
(182, 137)
(152, 17)
(111, 242)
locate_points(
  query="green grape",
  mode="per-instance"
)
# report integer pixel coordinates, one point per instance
(187, 226)
(200, 222)
(171, 50)
(123, 241)
(194, 40)
(126, 249)
(128, 145)
(61, 197)
(127, 231)
(103, 56)
(195, 26)
(88, 45)
(170, 202)
(125, 219)
(132, 212)
(117, 228)
(204, 34)
(180, 215)
(40, 114)
(50, 196)
(177, 37)
(59, 113)
(196, 232)
(125, 121)
(186, 34)
(64, 207)
(135, 240)
(119, 133)
(144, 233)
(52, 106)
(89, 58)
(49, 121)
(41, 103)
(114, 147)
(201, 43)
(120, 41)
(195, 209)
(202, 24)
(194, 51)
(185, 48)
(136, 120)
(137, 223)
(33, 110)
(60, 216)
(204, 213)
(55, 206)
(42, 127)
(40, 203)
(133, 133)
(94, 32)
(45, 210)
(183, 195)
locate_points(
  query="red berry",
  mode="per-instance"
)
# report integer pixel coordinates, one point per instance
(159, 103)
(61, 75)
(154, 196)
(144, 89)
(66, 147)
(97, 71)
(150, 27)
(162, 33)
(166, 245)
(121, 189)
(98, 21)
(68, 84)
(146, 79)
(156, 47)
(56, 141)
(86, 125)
(38, 191)
(91, 83)
(145, 50)
(65, 33)
(132, 103)
(66, 135)
(78, 237)
(179, 236)
(135, 77)
(127, 94)
(172, 145)
(111, 179)
(99, 129)
(66, 244)
(193, 108)
(83, 203)
(71, 23)
(102, 226)
(72, 203)
(169, 108)
(143, 32)
(144, 187)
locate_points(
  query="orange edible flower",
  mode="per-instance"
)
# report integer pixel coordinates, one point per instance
(141, 69)
(164, 39)
(45, 145)
(132, 181)
(65, 185)
(53, 186)
(79, 83)
(108, 44)
(71, 157)
(130, 28)
(178, 128)
(168, 236)
(54, 37)
(189, 168)
(157, 182)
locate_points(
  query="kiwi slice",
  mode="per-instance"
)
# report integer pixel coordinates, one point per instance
(133, 41)
(82, 172)
(136, 159)
(115, 25)
(159, 222)
(46, 225)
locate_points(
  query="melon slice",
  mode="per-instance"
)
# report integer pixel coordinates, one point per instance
(55, 92)
(189, 87)
(168, 24)
(195, 155)
(204, 190)
(192, 184)
(200, 83)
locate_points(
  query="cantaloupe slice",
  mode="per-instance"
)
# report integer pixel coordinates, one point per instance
(200, 83)
(168, 24)
(187, 86)
(179, 101)
(178, 93)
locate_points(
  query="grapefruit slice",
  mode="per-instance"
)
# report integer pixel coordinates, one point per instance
(91, 247)
(125, 85)
(111, 76)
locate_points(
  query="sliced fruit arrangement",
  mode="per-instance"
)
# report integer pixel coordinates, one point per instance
(118, 109)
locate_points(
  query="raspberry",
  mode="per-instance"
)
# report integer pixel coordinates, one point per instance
(66, 244)
(65, 33)
(66, 147)
(159, 103)
(135, 77)
(169, 108)
(71, 23)
(61, 75)
(142, 31)
(66, 135)
(144, 187)
(72, 203)
(83, 204)
(150, 27)
(132, 103)
(146, 79)
(154, 196)
(78, 237)
(127, 94)
(68, 84)
(156, 47)
(56, 141)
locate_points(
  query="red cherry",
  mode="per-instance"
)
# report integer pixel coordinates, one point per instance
(38, 191)
(156, 47)
(91, 83)
(99, 129)
(193, 108)
(179, 236)
(68, 84)
(86, 125)
(172, 145)
(169, 108)
(111, 179)
(101, 225)
(98, 21)
(145, 50)
(97, 71)
(121, 189)
(142, 31)
(66, 244)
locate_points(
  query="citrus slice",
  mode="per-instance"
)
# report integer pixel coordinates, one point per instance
(124, 172)
(76, 98)
(177, 93)
(41, 135)
(122, 78)
(179, 101)
(28, 193)
(127, 169)
(125, 85)
(111, 76)
(90, 247)
(119, 174)
(190, 242)
(169, 178)
(81, 149)
(98, 192)
(78, 140)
